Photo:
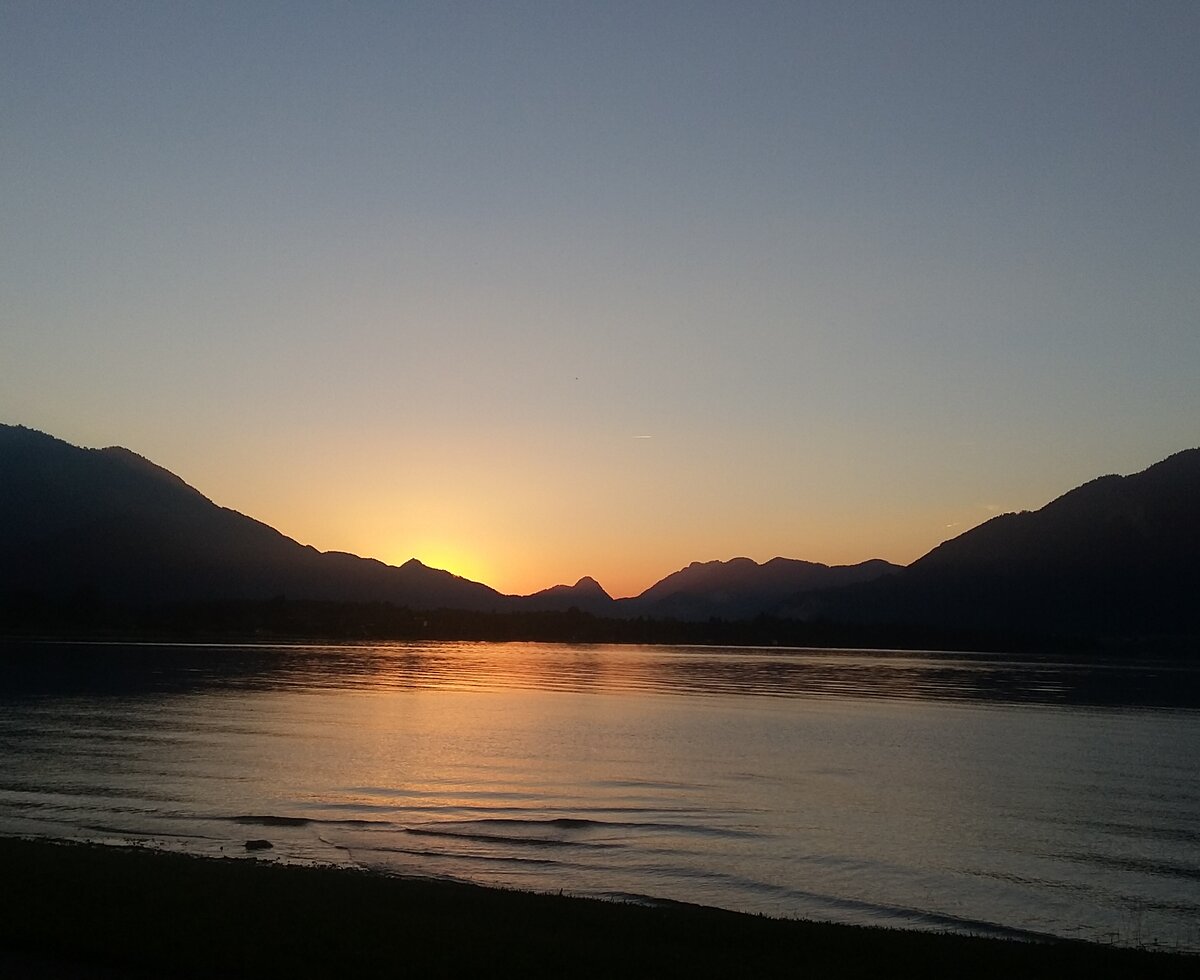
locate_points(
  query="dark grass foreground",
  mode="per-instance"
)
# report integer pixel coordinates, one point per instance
(82, 911)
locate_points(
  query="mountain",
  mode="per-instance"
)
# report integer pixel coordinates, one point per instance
(109, 525)
(1118, 556)
(585, 595)
(741, 588)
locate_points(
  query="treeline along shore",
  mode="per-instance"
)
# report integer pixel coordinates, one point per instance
(284, 619)
(90, 911)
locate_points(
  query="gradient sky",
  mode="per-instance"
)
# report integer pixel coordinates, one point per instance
(537, 290)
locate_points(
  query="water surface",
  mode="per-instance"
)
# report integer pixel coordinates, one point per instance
(949, 791)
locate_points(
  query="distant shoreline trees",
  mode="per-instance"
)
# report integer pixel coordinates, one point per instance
(289, 620)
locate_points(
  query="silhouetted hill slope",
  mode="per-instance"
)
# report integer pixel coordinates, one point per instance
(585, 595)
(109, 525)
(1116, 556)
(741, 588)
(1119, 556)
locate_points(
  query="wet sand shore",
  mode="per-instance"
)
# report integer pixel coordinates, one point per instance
(73, 910)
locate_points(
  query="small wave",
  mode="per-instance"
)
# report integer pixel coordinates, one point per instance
(974, 927)
(273, 820)
(858, 907)
(587, 824)
(461, 858)
(566, 823)
(931, 919)
(1138, 865)
(143, 832)
(637, 898)
(653, 784)
(505, 839)
(269, 820)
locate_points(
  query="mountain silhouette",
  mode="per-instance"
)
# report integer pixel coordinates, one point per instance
(585, 595)
(110, 525)
(1118, 556)
(741, 588)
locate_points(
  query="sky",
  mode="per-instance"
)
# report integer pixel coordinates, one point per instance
(532, 291)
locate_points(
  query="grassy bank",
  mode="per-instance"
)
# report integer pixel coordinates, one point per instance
(76, 910)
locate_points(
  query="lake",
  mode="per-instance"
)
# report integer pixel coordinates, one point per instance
(961, 792)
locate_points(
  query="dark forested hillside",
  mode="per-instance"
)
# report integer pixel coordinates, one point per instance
(112, 526)
(1117, 556)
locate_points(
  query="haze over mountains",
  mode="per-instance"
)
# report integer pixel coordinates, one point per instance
(1118, 555)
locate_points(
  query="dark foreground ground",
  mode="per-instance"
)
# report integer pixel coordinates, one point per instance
(99, 912)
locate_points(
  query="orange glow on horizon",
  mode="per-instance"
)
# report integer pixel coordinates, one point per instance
(494, 546)
(448, 558)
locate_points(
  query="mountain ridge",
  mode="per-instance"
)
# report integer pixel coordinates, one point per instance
(740, 588)
(111, 524)
(108, 500)
(1117, 554)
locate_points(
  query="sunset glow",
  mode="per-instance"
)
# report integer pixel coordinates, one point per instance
(533, 293)
(451, 559)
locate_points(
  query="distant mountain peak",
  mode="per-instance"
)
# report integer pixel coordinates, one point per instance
(741, 587)
(586, 594)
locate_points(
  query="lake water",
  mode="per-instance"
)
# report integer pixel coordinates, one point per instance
(938, 791)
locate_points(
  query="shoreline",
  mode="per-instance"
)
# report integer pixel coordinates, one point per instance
(282, 620)
(91, 910)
